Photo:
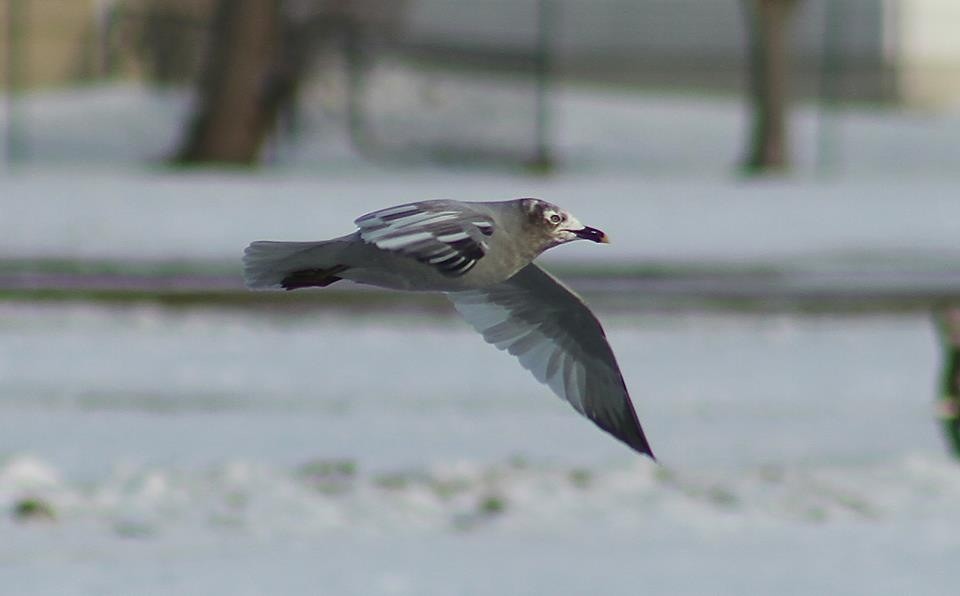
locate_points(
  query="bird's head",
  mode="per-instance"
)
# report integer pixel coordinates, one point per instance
(558, 225)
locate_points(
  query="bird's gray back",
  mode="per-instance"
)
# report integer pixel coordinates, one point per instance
(507, 249)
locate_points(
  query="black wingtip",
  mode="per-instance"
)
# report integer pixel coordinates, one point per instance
(629, 431)
(632, 434)
(645, 450)
(633, 438)
(637, 441)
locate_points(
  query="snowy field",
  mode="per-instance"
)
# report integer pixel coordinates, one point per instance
(198, 452)
(654, 172)
(203, 451)
(850, 223)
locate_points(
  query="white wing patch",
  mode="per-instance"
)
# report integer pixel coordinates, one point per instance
(398, 242)
(442, 235)
(537, 352)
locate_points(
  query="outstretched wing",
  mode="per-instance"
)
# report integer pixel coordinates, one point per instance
(556, 337)
(445, 235)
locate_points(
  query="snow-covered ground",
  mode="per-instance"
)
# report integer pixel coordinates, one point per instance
(200, 451)
(858, 223)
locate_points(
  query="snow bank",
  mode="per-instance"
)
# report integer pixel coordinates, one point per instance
(509, 528)
(330, 496)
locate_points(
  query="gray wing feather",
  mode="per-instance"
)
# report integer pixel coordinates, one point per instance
(555, 336)
(445, 235)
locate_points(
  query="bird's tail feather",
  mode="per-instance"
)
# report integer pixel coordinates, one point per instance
(290, 265)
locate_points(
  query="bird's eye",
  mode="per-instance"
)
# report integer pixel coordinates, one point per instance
(555, 219)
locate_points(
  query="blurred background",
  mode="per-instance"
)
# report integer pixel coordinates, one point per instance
(780, 179)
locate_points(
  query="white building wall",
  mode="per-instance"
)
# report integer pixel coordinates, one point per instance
(928, 52)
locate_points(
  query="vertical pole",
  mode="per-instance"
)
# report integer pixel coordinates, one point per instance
(13, 135)
(356, 70)
(948, 407)
(546, 21)
(831, 65)
(107, 21)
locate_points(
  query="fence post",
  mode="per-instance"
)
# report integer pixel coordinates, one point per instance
(546, 22)
(108, 18)
(831, 76)
(357, 69)
(13, 133)
(948, 408)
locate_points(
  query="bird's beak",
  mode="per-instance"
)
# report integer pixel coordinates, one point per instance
(588, 233)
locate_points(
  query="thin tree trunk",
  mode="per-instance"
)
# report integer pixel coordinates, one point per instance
(243, 87)
(767, 24)
(949, 402)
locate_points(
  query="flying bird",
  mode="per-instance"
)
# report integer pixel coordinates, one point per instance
(481, 256)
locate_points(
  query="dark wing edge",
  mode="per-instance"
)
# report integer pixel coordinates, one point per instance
(555, 336)
(442, 235)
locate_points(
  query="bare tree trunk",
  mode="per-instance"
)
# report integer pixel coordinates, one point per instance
(767, 24)
(257, 57)
(246, 81)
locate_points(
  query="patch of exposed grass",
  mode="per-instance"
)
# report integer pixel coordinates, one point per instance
(492, 505)
(33, 509)
(330, 476)
(581, 478)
